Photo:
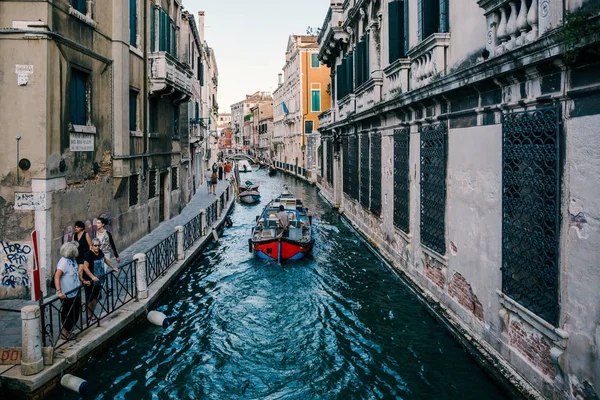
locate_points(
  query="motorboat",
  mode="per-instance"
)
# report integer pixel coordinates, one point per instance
(244, 166)
(248, 193)
(271, 241)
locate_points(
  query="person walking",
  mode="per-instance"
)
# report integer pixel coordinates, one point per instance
(214, 182)
(220, 167)
(209, 182)
(94, 262)
(66, 282)
(84, 241)
(227, 170)
(107, 245)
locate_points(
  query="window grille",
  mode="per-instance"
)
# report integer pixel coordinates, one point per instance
(353, 167)
(174, 178)
(330, 161)
(376, 173)
(133, 190)
(531, 210)
(346, 165)
(433, 187)
(402, 179)
(364, 170)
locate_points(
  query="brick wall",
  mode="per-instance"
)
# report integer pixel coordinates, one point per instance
(462, 292)
(533, 346)
(435, 275)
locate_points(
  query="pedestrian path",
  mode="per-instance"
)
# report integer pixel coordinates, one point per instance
(10, 322)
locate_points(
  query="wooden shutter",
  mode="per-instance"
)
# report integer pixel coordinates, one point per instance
(132, 22)
(152, 29)
(444, 16)
(366, 73)
(420, 20)
(405, 26)
(393, 31)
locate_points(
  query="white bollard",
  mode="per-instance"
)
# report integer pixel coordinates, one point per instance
(140, 276)
(180, 251)
(215, 235)
(74, 383)
(32, 361)
(157, 318)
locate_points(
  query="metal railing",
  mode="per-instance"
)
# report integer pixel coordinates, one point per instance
(222, 200)
(75, 315)
(160, 257)
(211, 214)
(192, 231)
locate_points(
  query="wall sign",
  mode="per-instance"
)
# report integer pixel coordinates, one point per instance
(81, 142)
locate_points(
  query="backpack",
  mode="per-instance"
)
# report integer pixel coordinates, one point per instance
(214, 167)
(214, 177)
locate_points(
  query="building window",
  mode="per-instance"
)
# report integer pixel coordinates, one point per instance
(315, 100)
(166, 33)
(308, 126)
(174, 178)
(132, 22)
(152, 28)
(152, 184)
(133, 98)
(133, 190)
(361, 61)
(314, 61)
(80, 5)
(397, 29)
(433, 187)
(175, 121)
(80, 97)
(364, 170)
(432, 17)
(153, 114)
(531, 202)
(376, 173)
(401, 179)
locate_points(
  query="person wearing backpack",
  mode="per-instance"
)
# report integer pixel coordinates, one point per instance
(214, 182)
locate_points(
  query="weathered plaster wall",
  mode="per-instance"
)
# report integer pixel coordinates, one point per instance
(581, 301)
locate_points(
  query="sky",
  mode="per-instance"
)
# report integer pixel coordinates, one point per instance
(250, 38)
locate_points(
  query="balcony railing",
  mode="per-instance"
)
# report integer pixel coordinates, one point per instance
(367, 95)
(395, 79)
(428, 59)
(514, 23)
(166, 71)
(346, 106)
(327, 117)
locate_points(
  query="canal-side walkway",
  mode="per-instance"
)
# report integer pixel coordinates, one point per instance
(75, 352)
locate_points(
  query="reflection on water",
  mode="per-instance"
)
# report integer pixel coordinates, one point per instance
(335, 325)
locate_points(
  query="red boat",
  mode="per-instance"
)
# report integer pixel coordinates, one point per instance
(271, 241)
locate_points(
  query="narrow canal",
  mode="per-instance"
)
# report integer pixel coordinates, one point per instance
(337, 325)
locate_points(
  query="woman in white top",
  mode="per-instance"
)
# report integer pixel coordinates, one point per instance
(66, 282)
(107, 245)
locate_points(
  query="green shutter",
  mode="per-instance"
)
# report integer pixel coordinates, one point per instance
(132, 110)
(349, 74)
(339, 82)
(366, 72)
(316, 100)
(420, 20)
(444, 16)
(393, 31)
(132, 22)
(357, 66)
(405, 26)
(152, 29)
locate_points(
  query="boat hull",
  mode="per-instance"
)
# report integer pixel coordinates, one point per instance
(289, 250)
(249, 198)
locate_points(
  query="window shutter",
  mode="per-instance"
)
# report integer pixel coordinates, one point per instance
(366, 74)
(132, 110)
(316, 100)
(444, 16)
(73, 97)
(393, 31)
(338, 77)
(350, 74)
(405, 25)
(420, 20)
(152, 29)
(132, 22)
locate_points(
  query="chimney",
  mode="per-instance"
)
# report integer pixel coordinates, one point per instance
(280, 80)
(201, 26)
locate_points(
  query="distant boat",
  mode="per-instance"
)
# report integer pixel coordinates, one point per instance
(244, 166)
(271, 242)
(248, 193)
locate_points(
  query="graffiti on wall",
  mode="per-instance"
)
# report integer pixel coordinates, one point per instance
(17, 262)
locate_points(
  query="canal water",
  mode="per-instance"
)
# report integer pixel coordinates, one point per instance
(337, 325)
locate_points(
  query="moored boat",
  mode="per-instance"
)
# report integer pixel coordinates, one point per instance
(248, 193)
(271, 241)
(244, 166)
(272, 170)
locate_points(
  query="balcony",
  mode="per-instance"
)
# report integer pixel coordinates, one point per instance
(332, 33)
(395, 80)
(428, 60)
(327, 118)
(368, 94)
(166, 72)
(514, 23)
(346, 107)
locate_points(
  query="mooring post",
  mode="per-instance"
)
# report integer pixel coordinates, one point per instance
(180, 251)
(32, 361)
(141, 278)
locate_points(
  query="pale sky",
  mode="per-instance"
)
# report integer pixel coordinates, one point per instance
(250, 38)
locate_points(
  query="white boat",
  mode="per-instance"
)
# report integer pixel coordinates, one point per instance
(244, 166)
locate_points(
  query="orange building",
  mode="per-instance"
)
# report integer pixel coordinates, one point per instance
(301, 95)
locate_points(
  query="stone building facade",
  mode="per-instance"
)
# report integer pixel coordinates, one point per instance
(98, 94)
(240, 116)
(301, 95)
(462, 141)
